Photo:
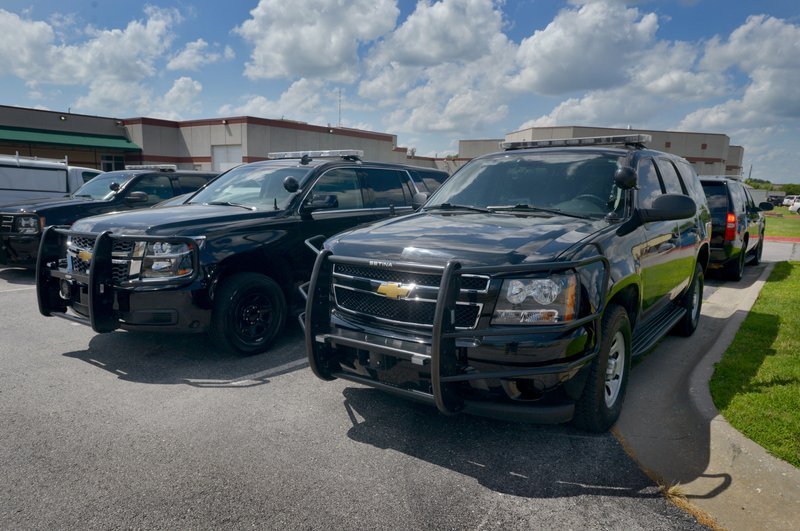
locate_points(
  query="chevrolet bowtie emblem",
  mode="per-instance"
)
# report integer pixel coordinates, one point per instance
(393, 290)
(85, 255)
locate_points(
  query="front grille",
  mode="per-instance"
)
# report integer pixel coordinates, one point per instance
(121, 251)
(406, 311)
(468, 282)
(355, 292)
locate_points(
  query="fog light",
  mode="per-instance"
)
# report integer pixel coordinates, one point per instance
(64, 289)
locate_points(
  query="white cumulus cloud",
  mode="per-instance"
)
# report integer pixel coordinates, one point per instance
(195, 55)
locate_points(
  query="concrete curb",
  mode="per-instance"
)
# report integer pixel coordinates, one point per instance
(765, 491)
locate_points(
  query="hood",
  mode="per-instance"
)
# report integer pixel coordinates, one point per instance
(475, 239)
(177, 220)
(40, 205)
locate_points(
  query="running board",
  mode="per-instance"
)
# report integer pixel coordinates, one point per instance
(647, 336)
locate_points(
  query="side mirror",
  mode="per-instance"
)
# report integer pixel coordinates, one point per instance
(419, 199)
(114, 187)
(670, 207)
(321, 202)
(136, 197)
(626, 178)
(290, 184)
(766, 205)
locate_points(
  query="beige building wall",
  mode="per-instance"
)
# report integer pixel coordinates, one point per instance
(709, 153)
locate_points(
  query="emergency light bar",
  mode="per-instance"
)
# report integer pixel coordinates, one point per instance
(160, 167)
(637, 140)
(343, 153)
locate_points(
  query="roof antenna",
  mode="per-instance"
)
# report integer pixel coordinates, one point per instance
(276, 203)
(305, 159)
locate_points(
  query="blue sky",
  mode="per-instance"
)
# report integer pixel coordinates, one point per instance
(430, 72)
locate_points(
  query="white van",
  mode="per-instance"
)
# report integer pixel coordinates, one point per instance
(25, 178)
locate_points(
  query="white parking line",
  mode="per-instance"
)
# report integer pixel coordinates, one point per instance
(16, 289)
(255, 377)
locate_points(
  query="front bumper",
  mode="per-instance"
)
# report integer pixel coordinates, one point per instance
(19, 249)
(94, 292)
(533, 373)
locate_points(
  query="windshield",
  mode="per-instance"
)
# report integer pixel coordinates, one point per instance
(258, 186)
(100, 186)
(580, 184)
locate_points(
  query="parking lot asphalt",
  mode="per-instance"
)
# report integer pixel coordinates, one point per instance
(672, 428)
(158, 431)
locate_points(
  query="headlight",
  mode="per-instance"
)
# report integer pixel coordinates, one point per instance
(526, 301)
(28, 224)
(167, 260)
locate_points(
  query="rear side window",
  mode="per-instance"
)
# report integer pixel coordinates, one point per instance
(384, 187)
(717, 196)
(690, 180)
(670, 177)
(649, 184)
(190, 183)
(737, 194)
(432, 180)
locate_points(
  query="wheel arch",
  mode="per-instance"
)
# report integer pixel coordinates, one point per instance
(276, 268)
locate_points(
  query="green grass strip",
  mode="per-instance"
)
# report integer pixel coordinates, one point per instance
(781, 222)
(756, 385)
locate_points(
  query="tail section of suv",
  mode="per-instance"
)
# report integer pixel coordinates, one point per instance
(738, 225)
(228, 259)
(523, 287)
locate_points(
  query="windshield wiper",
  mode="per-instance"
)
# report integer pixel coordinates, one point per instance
(228, 203)
(82, 195)
(522, 207)
(450, 206)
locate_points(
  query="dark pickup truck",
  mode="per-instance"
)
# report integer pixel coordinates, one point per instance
(21, 224)
(228, 260)
(523, 287)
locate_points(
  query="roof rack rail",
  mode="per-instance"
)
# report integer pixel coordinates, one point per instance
(637, 141)
(21, 158)
(306, 156)
(159, 167)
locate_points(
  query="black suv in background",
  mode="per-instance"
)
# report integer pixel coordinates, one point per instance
(738, 225)
(523, 287)
(230, 258)
(21, 224)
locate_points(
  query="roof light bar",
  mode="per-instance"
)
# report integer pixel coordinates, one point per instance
(160, 167)
(317, 154)
(584, 141)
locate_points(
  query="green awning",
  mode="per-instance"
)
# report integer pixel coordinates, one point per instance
(34, 136)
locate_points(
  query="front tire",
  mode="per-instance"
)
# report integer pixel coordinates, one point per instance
(249, 312)
(693, 303)
(601, 402)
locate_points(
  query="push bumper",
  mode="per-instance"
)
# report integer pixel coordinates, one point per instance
(452, 357)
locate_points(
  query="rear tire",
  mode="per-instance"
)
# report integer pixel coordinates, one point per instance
(693, 303)
(601, 401)
(249, 312)
(759, 251)
(734, 270)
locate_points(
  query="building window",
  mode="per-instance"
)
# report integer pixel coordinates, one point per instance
(667, 145)
(112, 162)
(703, 146)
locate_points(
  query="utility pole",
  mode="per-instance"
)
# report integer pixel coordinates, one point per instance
(340, 107)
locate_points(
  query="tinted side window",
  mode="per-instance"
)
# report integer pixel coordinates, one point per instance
(690, 180)
(717, 195)
(157, 187)
(432, 180)
(190, 183)
(384, 187)
(670, 177)
(342, 183)
(649, 185)
(751, 205)
(737, 194)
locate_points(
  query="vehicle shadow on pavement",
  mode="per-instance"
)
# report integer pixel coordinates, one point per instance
(190, 359)
(532, 461)
(13, 275)
(661, 424)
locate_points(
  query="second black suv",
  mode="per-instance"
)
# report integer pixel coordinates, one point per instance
(229, 259)
(523, 287)
(21, 224)
(737, 225)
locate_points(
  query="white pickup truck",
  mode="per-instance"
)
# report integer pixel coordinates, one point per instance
(24, 178)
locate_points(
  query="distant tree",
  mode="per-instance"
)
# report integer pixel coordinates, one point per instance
(760, 184)
(791, 189)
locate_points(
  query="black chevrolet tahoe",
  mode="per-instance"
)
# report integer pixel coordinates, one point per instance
(227, 260)
(21, 224)
(523, 287)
